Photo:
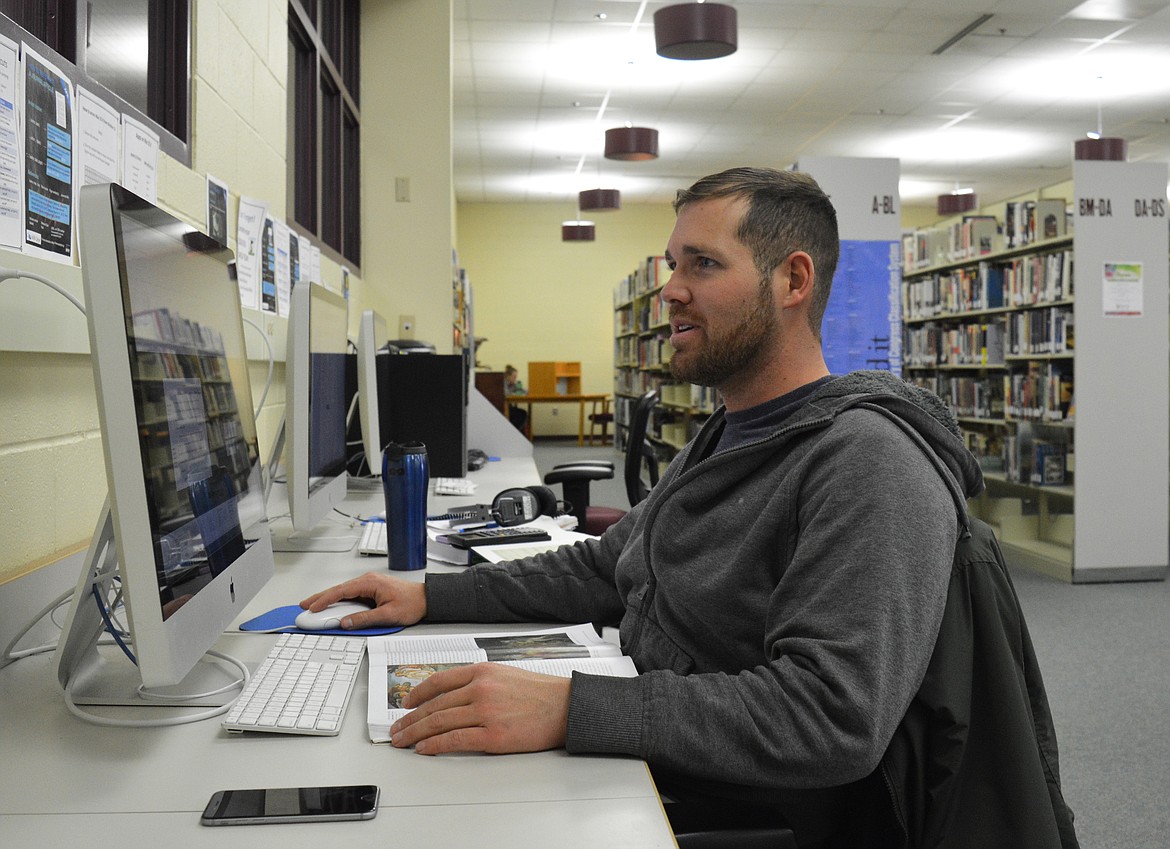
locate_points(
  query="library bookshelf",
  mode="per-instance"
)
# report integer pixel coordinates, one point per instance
(1051, 346)
(642, 362)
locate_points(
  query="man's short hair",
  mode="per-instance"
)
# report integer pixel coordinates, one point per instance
(787, 211)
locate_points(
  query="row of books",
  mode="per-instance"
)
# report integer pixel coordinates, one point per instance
(970, 397)
(641, 317)
(962, 290)
(1043, 331)
(1027, 222)
(651, 274)
(632, 383)
(1038, 279)
(1039, 462)
(974, 397)
(971, 237)
(654, 351)
(966, 344)
(987, 446)
(1023, 281)
(701, 398)
(625, 352)
(1042, 392)
(623, 321)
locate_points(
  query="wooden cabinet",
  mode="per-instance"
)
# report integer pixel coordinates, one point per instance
(554, 378)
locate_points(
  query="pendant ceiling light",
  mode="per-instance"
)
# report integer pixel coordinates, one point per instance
(954, 204)
(633, 144)
(599, 200)
(1105, 149)
(695, 31)
(1098, 146)
(578, 231)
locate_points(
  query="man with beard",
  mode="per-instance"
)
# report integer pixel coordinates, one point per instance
(781, 588)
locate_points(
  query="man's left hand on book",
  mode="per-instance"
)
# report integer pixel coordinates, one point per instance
(485, 707)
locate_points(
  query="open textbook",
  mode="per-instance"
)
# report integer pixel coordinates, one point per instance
(398, 663)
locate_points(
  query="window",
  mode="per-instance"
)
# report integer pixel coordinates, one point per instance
(137, 50)
(325, 123)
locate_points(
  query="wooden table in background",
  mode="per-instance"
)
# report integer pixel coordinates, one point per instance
(579, 400)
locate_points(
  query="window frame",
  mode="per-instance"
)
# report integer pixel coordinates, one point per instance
(61, 38)
(324, 126)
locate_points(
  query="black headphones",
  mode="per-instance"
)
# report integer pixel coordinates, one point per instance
(523, 504)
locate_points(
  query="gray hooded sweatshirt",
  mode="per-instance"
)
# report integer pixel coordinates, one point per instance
(780, 599)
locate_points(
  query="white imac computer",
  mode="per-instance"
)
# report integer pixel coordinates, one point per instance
(314, 421)
(184, 543)
(372, 334)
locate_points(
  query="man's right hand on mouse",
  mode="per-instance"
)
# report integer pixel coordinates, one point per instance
(395, 601)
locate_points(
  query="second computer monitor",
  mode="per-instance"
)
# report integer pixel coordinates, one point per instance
(371, 336)
(315, 414)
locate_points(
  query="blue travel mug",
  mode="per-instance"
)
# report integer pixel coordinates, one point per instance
(405, 479)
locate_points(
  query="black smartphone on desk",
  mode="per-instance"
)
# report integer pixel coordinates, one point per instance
(291, 804)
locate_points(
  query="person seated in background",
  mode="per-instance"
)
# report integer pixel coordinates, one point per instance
(512, 386)
(781, 590)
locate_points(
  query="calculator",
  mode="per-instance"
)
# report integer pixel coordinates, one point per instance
(496, 536)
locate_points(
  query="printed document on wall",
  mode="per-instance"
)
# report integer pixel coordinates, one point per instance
(217, 209)
(98, 127)
(10, 159)
(283, 275)
(1121, 288)
(48, 158)
(249, 231)
(268, 267)
(140, 159)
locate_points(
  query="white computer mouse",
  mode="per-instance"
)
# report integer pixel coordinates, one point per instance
(330, 618)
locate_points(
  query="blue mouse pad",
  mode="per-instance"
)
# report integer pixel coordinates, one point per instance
(284, 618)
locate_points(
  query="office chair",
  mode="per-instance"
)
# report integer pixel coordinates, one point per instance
(639, 452)
(600, 418)
(574, 478)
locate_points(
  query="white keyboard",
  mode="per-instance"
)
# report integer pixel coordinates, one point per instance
(453, 486)
(373, 541)
(302, 687)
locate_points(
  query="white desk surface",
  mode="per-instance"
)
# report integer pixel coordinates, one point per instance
(65, 779)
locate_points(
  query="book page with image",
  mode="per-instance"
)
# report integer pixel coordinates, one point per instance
(397, 664)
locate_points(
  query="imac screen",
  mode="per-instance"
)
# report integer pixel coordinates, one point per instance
(192, 400)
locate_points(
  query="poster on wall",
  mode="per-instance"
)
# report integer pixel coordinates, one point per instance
(98, 128)
(294, 258)
(249, 229)
(9, 146)
(48, 159)
(268, 266)
(283, 267)
(140, 159)
(862, 327)
(217, 209)
(314, 264)
(1121, 288)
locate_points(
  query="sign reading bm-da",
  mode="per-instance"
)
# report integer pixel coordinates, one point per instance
(1103, 207)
